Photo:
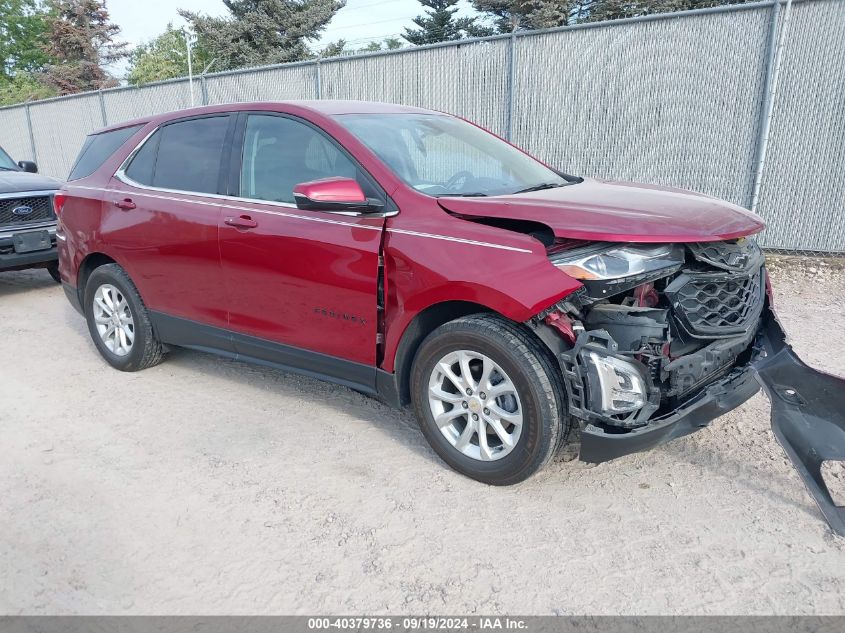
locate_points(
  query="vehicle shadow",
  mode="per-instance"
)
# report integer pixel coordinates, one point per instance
(400, 425)
(15, 282)
(744, 473)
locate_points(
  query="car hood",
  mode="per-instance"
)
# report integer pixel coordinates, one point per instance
(618, 212)
(14, 181)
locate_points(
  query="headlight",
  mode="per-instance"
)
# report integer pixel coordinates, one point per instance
(603, 263)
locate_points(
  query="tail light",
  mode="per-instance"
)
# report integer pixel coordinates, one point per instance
(59, 200)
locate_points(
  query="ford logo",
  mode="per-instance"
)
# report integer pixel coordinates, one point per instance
(22, 211)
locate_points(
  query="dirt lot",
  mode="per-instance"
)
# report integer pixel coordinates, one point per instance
(208, 486)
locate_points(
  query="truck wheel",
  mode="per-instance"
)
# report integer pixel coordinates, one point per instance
(489, 399)
(119, 322)
(53, 269)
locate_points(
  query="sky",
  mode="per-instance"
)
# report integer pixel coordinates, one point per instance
(359, 22)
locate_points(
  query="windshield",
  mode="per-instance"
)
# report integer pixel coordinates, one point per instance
(440, 155)
(6, 163)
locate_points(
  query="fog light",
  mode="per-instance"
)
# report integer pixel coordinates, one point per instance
(620, 386)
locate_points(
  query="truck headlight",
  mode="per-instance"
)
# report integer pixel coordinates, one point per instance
(615, 262)
(616, 386)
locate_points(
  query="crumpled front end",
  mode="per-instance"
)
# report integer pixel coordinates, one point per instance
(663, 339)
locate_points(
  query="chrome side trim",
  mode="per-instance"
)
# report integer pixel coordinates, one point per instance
(461, 240)
(233, 207)
(295, 216)
(122, 176)
(44, 193)
(301, 217)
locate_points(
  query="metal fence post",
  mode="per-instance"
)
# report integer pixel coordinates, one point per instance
(204, 90)
(31, 135)
(318, 85)
(773, 65)
(103, 108)
(511, 72)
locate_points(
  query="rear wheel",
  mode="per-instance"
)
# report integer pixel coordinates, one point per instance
(489, 399)
(118, 320)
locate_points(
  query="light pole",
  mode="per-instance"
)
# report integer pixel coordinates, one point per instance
(190, 66)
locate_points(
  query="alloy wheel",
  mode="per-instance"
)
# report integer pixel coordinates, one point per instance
(113, 319)
(475, 405)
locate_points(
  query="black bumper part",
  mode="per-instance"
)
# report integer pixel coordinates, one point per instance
(808, 416)
(17, 261)
(73, 296)
(599, 446)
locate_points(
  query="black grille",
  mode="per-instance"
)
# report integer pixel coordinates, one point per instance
(735, 255)
(42, 210)
(715, 305)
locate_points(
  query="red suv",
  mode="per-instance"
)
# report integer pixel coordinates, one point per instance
(412, 255)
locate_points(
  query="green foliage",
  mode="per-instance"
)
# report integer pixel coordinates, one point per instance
(336, 49)
(439, 24)
(22, 87)
(528, 14)
(80, 41)
(543, 14)
(23, 27)
(165, 57)
(260, 32)
(333, 49)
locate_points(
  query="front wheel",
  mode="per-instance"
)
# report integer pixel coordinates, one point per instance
(489, 399)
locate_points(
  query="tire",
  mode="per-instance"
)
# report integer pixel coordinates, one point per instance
(521, 369)
(53, 269)
(116, 288)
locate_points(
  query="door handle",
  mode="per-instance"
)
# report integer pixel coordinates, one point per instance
(241, 222)
(126, 204)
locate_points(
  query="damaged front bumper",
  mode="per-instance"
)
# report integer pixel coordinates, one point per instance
(808, 410)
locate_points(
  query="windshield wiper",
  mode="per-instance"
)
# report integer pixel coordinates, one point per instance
(476, 194)
(540, 187)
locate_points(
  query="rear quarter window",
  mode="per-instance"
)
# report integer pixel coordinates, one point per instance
(97, 149)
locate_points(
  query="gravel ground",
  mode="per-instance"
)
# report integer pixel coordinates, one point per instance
(209, 486)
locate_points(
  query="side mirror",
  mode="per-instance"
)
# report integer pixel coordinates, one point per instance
(334, 194)
(28, 165)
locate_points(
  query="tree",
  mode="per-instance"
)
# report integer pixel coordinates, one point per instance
(388, 44)
(336, 49)
(22, 87)
(260, 32)
(80, 40)
(333, 49)
(23, 27)
(165, 57)
(439, 24)
(527, 14)
(543, 14)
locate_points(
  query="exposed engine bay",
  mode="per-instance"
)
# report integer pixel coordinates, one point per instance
(653, 325)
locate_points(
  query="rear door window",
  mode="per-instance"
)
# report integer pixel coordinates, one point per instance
(183, 156)
(97, 149)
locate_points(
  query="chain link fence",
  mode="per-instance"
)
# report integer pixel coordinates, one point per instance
(676, 99)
